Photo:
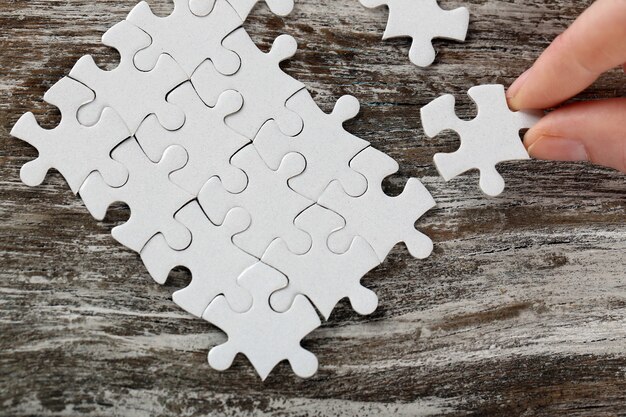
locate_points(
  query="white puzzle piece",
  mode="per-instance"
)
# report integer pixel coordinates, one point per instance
(492, 137)
(153, 199)
(323, 276)
(132, 93)
(71, 148)
(214, 261)
(422, 20)
(324, 143)
(264, 86)
(278, 7)
(272, 205)
(264, 336)
(206, 138)
(200, 40)
(381, 220)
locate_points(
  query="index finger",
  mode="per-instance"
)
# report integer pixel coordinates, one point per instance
(595, 43)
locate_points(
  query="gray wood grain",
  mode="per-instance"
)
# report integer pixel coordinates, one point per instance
(521, 310)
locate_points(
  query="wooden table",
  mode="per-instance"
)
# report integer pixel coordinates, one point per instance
(521, 309)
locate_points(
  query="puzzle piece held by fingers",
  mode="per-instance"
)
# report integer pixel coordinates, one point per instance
(153, 199)
(264, 336)
(381, 220)
(422, 20)
(492, 137)
(214, 261)
(90, 146)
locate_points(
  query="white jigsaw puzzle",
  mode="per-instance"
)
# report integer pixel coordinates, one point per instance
(490, 138)
(90, 146)
(255, 333)
(264, 86)
(132, 93)
(231, 170)
(423, 21)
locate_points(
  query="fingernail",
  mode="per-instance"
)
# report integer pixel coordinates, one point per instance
(558, 149)
(531, 137)
(517, 85)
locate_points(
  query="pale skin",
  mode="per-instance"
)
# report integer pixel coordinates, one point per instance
(592, 131)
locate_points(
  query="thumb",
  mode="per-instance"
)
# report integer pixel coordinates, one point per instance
(589, 131)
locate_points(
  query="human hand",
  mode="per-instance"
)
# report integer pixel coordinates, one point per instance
(587, 131)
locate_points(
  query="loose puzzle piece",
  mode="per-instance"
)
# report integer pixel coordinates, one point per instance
(422, 20)
(90, 146)
(206, 138)
(272, 204)
(215, 263)
(264, 86)
(132, 93)
(326, 146)
(492, 137)
(381, 220)
(278, 7)
(264, 336)
(187, 38)
(153, 199)
(323, 276)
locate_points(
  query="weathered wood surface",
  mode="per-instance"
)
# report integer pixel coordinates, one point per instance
(521, 310)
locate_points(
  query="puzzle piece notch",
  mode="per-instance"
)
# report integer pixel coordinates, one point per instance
(186, 37)
(271, 203)
(490, 138)
(132, 93)
(153, 199)
(209, 142)
(262, 100)
(323, 276)
(383, 221)
(422, 21)
(278, 7)
(214, 261)
(71, 148)
(264, 336)
(325, 144)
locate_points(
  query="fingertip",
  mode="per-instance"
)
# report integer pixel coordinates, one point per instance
(513, 94)
(558, 149)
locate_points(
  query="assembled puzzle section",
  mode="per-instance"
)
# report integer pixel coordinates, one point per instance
(231, 169)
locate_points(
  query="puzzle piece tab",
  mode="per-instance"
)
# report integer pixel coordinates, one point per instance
(422, 20)
(214, 261)
(492, 137)
(71, 148)
(188, 38)
(271, 203)
(264, 336)
(323, 276)
(264, 86)
(132, 93)
(381, 220)
(206, 138)
(326, 146)
(153, 199)
(278, 7)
